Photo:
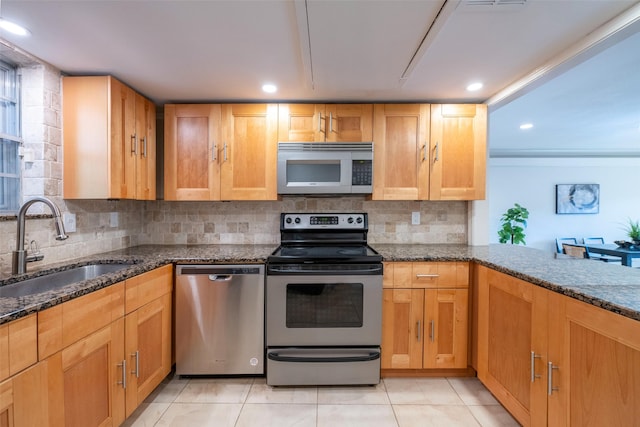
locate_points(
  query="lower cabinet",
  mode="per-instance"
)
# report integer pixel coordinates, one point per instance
(104, 352)
(87, 380)
(148, 349)
(552, 360)
(424, 328)
(23, 398)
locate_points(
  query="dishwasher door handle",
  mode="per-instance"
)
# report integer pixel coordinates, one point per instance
(220, 277)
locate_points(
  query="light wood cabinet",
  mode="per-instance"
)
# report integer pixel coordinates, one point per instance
(23, 398)
(425, 324)
(101, 364)
(512, 331)
(102, 152)
(552, 360)
(192, 144)
(220, 152)
(249, 154)
(147, 333)
(18, 345)
(325, 122)
(429, 152)
(401, 158)
(458, 152)
(145, 148)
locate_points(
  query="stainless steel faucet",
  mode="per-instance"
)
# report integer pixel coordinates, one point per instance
(20, 258)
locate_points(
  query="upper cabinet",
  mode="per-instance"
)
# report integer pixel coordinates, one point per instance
(429, 152)
(220, 152)
(325, 122)
(401, 163)
(109, 140)
(458, 151)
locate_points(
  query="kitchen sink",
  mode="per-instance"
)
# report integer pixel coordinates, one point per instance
(59, 279)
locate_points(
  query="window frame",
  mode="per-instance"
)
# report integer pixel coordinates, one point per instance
(11, 141)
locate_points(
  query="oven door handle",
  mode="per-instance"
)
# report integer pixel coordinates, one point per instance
(374, 355)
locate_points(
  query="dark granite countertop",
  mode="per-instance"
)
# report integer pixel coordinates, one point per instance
(142, 259)
(613, 287)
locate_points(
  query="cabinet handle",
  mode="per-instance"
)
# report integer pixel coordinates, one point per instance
(134, 144)
(550, 387)
(136, 372)
(214, 151)
(437, 150)
(432, 331)
(418, 328)
(534, 356)
(428, 276)
(424, 152)
(330, 122)
(144, 146)
(124, 374)
(224, 152)
(320, 123)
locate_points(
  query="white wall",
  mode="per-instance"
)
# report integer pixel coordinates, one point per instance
(531, 182)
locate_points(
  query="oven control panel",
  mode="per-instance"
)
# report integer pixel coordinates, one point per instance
(305, 221)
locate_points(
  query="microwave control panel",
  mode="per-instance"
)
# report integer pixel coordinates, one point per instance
(361, 172)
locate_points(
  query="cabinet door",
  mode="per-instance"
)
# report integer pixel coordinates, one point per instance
(402, 317)
(401, 164)
(86, 380)
(512, 339)
(192, 144)
(248, 168)
(123, 141)
(145, 148)
(148, 349)
(349, 122)
(23, 400)
(596, 358)
(458, 152)
(301, 123)
(18, 345)
(446, 328)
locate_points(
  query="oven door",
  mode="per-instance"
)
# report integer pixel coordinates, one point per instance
(324, 310)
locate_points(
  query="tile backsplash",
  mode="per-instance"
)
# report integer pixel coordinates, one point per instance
(163, 222)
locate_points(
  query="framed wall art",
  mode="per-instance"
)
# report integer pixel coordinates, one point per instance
(577, 198)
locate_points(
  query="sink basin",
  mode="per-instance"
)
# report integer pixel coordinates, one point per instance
(59, 279)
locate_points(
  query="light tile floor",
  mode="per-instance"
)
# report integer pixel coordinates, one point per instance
(397, 402)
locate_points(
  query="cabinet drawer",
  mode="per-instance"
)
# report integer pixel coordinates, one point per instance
(440, 275)
(18, 345)
(147, 287)
(64, 324)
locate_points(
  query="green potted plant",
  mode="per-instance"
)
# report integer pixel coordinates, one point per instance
(514, 221)
(633, 231)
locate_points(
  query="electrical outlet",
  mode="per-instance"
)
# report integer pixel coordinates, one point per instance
(113, 219)
(69, 221)
(415, 218)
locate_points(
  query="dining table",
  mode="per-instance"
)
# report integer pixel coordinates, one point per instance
(626, 254)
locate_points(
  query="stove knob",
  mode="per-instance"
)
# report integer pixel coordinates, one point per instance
(359, 220)
(350, 220)
(288, 220)
(297, 220)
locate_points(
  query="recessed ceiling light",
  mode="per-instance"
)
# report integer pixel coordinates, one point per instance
(474, 86)
(526, 126)
(269, 88)
(13, 28)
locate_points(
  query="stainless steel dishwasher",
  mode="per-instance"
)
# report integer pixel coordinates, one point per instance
(220, 319)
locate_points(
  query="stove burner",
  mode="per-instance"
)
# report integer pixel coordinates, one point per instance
(294, 252)
(352, 251)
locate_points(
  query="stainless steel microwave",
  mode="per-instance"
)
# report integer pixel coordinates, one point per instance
(325, 168)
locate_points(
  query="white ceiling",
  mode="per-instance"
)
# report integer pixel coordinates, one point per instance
(362, 50)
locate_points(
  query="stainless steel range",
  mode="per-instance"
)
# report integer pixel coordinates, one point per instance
(323, 302)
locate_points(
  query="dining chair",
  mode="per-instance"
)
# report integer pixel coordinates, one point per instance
(575, 251)
(600, 257)
(561, 240)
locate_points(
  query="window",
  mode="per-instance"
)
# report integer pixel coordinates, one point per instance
(10, 138)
